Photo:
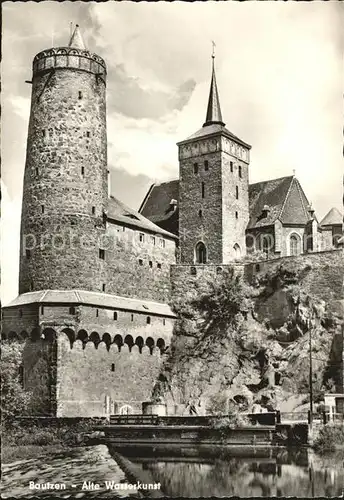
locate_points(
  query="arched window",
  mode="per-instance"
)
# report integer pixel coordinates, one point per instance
(201, 253)
(237, 251)
(126, 410)
(295, 244)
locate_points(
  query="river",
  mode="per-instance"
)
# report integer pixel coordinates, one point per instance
(244, 473)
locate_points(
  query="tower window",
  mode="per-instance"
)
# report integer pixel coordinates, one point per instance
(112, 367)
(193, 271)
(231, 165)
(195, 168)
(203, 190)
(236, 215)
(200, 213)
(97, 313)
(162, 243)
(72, 310)
(140, 262)
(43, 132)
(206, 165)
(158, 265)
(150, 264)
(219, 270)
(201, 253)
(88, 134)
(37, 171)
(141, 237)
(82, 170)
(28, 254)
(93, 210)
(148, 320)
(153, 240)
(164, 321)
(42, 208)
(237, 192)
(115, 315)
(101, 254)
(80, 94)
(240, 172)
(42, 309)
(132, 317)
(103, 287)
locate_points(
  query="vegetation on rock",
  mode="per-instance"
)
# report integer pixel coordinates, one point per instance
(240, 344)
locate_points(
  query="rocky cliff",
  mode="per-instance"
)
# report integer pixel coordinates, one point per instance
(245, 344)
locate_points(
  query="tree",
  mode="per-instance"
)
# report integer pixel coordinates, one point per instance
(14, 400)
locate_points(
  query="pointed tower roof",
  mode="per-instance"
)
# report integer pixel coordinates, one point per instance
(76, 40)
(214, 115)
(333, 217)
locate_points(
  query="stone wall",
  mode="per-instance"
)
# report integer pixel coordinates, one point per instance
(324, 278)
(136, 268)
(88, 377)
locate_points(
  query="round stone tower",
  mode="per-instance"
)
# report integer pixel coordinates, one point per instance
(65, 181)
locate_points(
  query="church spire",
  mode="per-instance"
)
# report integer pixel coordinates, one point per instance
(214, 115)
(76, 40)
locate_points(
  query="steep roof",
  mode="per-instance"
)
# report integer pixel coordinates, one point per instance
(332, 218)
(214, 114)
(92, 298)
(119, 212)
(76, 40)
(284, 197)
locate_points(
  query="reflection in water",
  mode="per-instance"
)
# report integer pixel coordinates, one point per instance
(297, 473)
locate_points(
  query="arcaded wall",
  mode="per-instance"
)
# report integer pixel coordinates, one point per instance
(101, 380)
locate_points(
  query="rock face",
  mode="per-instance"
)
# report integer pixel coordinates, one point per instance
(248, 344)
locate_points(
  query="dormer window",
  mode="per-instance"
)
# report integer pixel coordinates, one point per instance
(266, 210)
(173, 205)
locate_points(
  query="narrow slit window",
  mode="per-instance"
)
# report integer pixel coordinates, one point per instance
(43, 133)
(206, 165)
(236, 215)
(93, 210)
(148, 320)
(132, 317)
(72, 310)
(115, 316)
(88, 134)
(203, 190)
(200, 213)
(101, 254)
(42, 310)
(82, 170)
(150, 264)
(97, 313)
(112, 367)
(140, 262)
(239, 171)
(104, 287)
(37, 171)
(195, 168)
(80, 94)
(141, 237)
(164, 322)
(231, 165)
(236, 192)
(42, 208)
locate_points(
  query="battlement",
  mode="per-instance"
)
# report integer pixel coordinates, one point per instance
(70, 58)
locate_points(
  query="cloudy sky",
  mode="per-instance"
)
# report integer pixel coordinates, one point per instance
(279, 73)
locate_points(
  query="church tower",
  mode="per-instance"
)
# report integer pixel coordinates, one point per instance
(65, 179)
(213, 190)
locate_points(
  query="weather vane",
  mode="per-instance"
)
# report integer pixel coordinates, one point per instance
(214, 45)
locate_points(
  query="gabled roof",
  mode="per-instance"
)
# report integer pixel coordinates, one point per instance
(333, 217)
(119, 212)
(93, 299)
(284, 197)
